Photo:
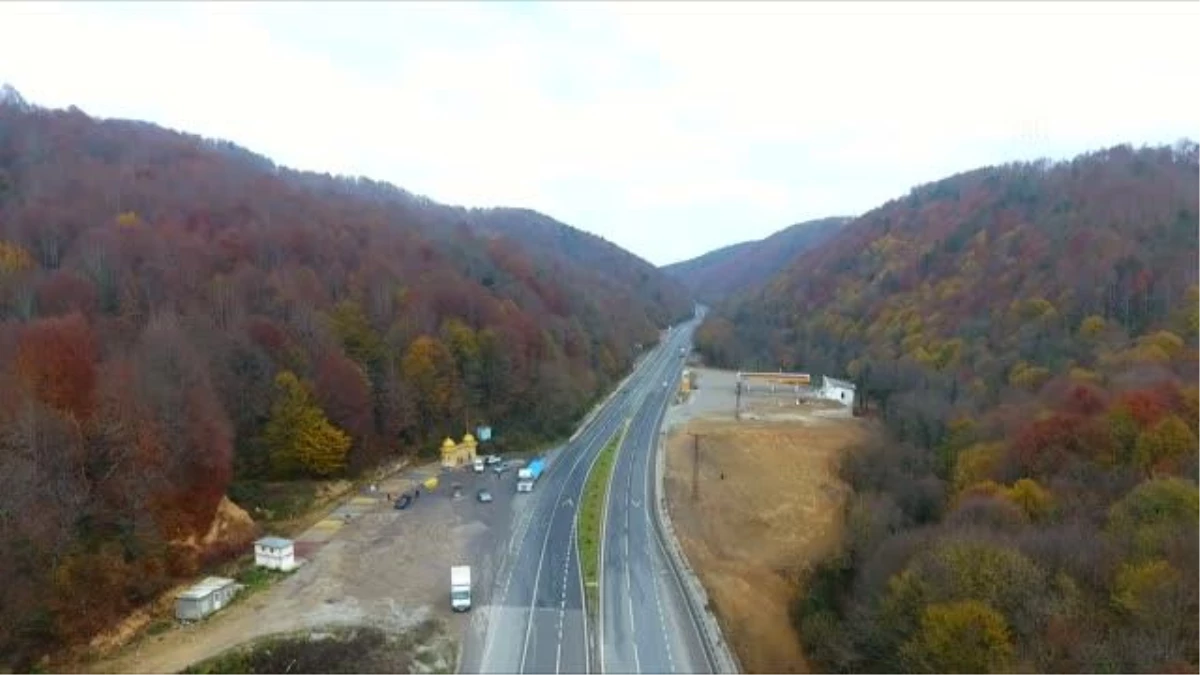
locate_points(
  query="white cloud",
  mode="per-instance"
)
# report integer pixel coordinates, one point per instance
(670, 128)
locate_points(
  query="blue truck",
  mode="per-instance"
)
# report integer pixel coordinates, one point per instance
(528, 475)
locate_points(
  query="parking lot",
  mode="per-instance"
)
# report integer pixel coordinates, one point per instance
(367, 563)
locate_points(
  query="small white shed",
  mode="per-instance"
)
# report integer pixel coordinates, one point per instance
(204, 598)
(275, 553)
(837, 390)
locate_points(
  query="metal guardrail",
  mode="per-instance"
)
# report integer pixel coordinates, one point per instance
(721, 658)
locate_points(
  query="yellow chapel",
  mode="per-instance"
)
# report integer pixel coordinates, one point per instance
(458, 454)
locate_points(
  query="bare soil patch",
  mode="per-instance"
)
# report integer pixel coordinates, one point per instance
(767, 509)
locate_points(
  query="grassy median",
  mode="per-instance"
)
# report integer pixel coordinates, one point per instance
(590, 518)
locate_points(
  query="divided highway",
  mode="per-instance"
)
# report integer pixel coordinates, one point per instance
(533, 619)
(645, 622)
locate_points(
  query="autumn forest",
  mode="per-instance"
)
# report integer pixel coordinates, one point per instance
(181, 319)
(1027, 336)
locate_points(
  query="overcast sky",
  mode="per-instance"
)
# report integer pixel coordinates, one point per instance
(670, 129)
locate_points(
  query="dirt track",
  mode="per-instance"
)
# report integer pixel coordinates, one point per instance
(776, 512)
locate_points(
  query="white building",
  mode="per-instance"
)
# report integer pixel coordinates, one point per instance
(837, 390)
(204, 598)
(275, 553)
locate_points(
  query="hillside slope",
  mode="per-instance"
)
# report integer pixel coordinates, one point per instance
(602, 270)
(1028, 336)
(179, 315)
(738, 268)
(1111, 234)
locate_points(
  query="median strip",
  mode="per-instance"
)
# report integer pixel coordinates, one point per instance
(589, 525)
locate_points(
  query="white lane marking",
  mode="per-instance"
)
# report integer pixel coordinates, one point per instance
(537, 578)
(644, 394)
(662, 616)
(595, 426)
(562, 607)
(637, 662)
(514, 543)
(663, 555)
(651, 452)
(587, 646)
(606, 511)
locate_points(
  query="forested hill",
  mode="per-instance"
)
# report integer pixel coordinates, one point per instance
(739, 268)
(1112, 234)
(180, 314)
(1028, 335)
(600, 268)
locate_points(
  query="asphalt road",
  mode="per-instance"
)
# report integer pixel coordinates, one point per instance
(532, 618)
(645, 624)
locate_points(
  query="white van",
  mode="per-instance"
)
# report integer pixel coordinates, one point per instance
(478, 465)
(460, 588)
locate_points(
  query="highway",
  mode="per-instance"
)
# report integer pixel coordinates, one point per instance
(645, 624)
(532, 619)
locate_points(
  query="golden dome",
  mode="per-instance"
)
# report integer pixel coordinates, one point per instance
(468, 439)
(448, 444)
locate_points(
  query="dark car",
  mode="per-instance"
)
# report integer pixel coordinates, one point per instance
(484, 496)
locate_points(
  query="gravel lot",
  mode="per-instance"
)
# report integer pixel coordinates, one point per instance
(369, 564)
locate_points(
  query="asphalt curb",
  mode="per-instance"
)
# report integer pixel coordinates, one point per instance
(723, 659)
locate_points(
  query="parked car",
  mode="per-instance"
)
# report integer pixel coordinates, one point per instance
(484, 496)
(501, 467)
(491, 459)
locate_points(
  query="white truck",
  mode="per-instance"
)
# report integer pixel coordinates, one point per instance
(460, 588)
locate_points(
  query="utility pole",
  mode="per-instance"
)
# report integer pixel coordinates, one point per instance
(695, 466)
(737, 407)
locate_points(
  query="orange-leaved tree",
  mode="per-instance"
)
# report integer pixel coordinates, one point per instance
(57, 359)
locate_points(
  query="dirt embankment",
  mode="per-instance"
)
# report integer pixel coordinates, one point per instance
(761, 506)
(232, 528)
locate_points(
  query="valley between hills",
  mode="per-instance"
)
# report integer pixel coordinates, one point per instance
(201, 347)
